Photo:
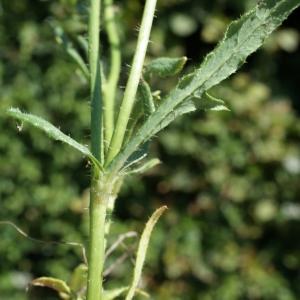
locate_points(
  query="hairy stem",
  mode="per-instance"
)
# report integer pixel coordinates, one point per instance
(98, 198)
(98, 204)
(132, 84)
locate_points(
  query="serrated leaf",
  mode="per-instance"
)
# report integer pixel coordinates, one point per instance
(164, 66)
(53, 132)
(242, 38)
(142, 249)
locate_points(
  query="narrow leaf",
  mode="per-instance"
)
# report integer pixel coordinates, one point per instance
(165, 66)
(134, 118)
(138, 154)
(145, 95)
(63, 40)
(112, 294)
(242, 38)
(53, 132)
(145, 167)
(79, 278)
(142, 249)
(83, 43)
(207, 102)
(53, 283)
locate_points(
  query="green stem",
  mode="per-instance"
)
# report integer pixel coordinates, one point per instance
(98, 198)
(98, 204)
(132, 84)
(115, 66)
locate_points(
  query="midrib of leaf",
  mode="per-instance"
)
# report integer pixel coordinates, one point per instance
(262, 28)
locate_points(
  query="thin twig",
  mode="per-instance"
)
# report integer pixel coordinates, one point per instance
(45, 242)
(119, 240)
(129, 251)
(132, 83)
(125, 255)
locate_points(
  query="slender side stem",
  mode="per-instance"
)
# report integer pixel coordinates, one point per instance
(96, 97)
(132, 84)
(98, 198)
(115, 66)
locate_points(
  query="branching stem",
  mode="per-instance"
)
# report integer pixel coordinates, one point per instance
(132, 84)
(99, 197)
(114, 70)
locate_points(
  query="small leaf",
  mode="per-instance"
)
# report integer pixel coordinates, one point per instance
(145, 95)
(112, 294)
(142, 249)
(138, 154)
(145, 167)
(53, 283)
(165, 66)
(53, 132)
(63, 40)
(135, 116)
(79, 278)
(156, 95)
(83, 43)
(208, 102)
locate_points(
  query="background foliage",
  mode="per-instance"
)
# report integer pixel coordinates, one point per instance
(230, 179)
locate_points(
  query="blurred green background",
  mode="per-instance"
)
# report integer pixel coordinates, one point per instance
(230, 179)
